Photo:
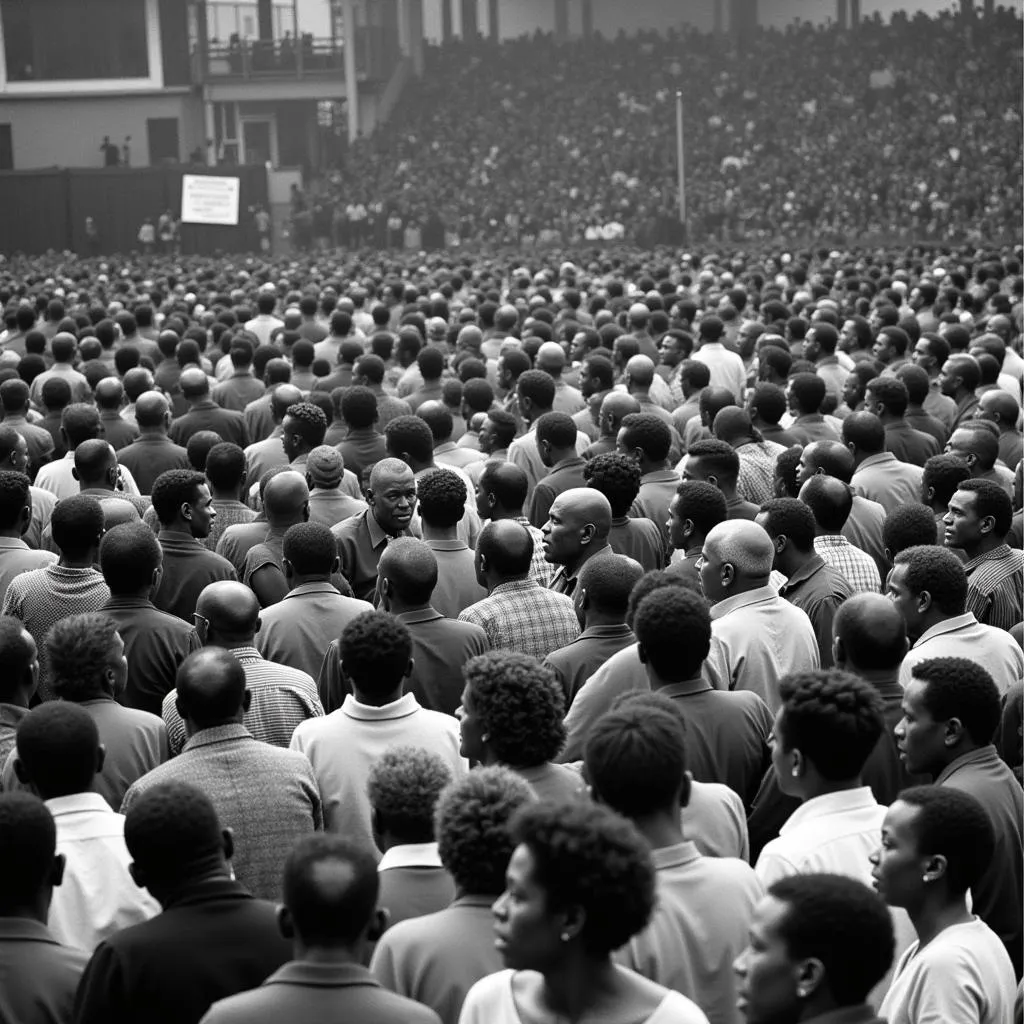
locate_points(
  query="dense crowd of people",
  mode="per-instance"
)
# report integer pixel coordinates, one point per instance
(604, 635)
(912, 126)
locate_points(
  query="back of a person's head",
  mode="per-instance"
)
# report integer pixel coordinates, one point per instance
(908, 526)
(442, 498)
(129, 556)
(808, 392)
(359, 407)
(438, 417)
(538, 387)
(81, 650)
(507, 548)
(717, 457)
(871, 633)
(833, 718)
(225, 466)
(673, 631)
(635, 757)
(864, 430)
(841, 924)
(76, 524)
(431, 363)
(210, 685)
(13, 395)
(790, 518)
(375, 651)
(939, 572)
(173, 489)
(58, 749)
(403, 786)
(80, 422)
(28, 842)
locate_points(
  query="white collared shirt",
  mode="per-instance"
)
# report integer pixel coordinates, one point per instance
(97, 896)
(411, 855)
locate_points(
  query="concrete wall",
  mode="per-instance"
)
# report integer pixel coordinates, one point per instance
(67, 132)
(611, 16)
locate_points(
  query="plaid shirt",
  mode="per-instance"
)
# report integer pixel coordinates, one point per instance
(282, 697)
(541, 569)
(848, 560)
(757, 470)
(522, 616)
(994, 587)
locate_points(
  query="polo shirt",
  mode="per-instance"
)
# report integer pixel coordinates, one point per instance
(230, 512)
(360, 541)
(207, 415)
(438, 958)
(97, 896)
(700, 924)
(238, 540)
(575, 663)
(726, 735)
(188, 568)
(883, 478)
(727, 370)
(910, 445)
(40, 976)
(994, 586)
(331, 505)
(999, 895)
(155, 644)
(259, 417)
(344, 746)
(811, 427)
(818, 591)
(563, 476)
(962, 974)
(962, 636)
(309, 991)
(553, 782)
(117, 431)
(135, 744)
(148, 456)
(523, 452)
(264, 455)
(298, 630)
(267, 796)
(639, 539)
(413, 881)
(657, 489)
(457, 587)
(448, 453)
(763, 638)
(281, 698)
(17, 557)
(212, 940)
(238, 390)
(920, 419)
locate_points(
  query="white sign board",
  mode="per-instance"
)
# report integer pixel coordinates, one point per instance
(206, 199)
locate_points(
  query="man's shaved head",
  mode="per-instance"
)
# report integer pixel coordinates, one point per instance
(869, 634)
(231, 608)
(582, 506)
(210, 686)
(285, 497)
(109, 393)
(744, 545)
(389, 470)
(150, 409)
(284, 395)
(608, 582)
(733, 424)
(551, 358)
(410, 567)
(830, 457)
(507, 547)
(617, 405)
(93, 460)
(194, 382)
(641, 371)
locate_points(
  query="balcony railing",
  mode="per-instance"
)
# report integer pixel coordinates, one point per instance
(275, 58)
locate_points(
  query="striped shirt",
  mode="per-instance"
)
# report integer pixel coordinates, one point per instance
(521, 616)
(848, 560)
(994, 587)
(43, 597)
(282, 697)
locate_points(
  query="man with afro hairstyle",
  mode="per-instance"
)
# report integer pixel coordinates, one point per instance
(404, 786)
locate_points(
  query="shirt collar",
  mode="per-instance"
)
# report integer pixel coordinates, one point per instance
(13, 543)
(246, 653)
(448, 545)
(981, 756)
(949, 625)
(303, 589)
(410, 855)
(420, 615)
(619, 629)
(306, 974)
(24, 929)
(877, 460)
(658, 476)
(447, 446)
(686, 688)
(731, 604)
(377, 534)
(401, 708)
(218, 734)
(829, 803)
(1003, 551)
(810, 568)
(682, 853)
(77, 803)
(514, 586)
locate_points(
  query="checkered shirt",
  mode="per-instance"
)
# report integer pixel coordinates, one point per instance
(858, 567)
(522, 616)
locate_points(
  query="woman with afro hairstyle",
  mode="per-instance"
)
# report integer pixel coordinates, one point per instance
(438, 958)
(511, 715)
(579, 884)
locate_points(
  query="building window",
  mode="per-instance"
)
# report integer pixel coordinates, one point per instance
(163, 140)
(6, 148)
(72, 40)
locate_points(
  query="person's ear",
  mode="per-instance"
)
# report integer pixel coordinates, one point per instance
(713, 480)
(587, 533)
(57, 869)
(227, 837)
(688, 528)
(482, 560)
(409, 668)
(924, 601)
(289, 569)
(936, 867)
(686, 789)
(888, 557)
(379, 921)
(838, 652)
(851, 448)
(810, 974)
(641, 653)
(336, 566)
(101, 757)
(728, 574)
(930, 493)
(246, 700)
(26, 519)
(21, 773)
(285, 923)
(74, 473)
(780, 543)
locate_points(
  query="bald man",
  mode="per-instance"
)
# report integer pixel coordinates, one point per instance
(576, 531)
(228, 616)
(153, 452)
(391, 496)
(641, 380)
(268, 453)
(763, 636)
(551, 359)
(96, 470)
(285, 504)
(615, 407)
(110, 401)
(517, 614)
(204, 413)
(1003, 410)
(267, 796)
